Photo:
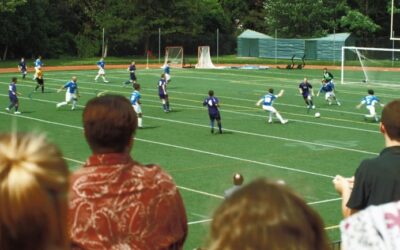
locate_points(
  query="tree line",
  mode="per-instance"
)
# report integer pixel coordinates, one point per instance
(55, 28)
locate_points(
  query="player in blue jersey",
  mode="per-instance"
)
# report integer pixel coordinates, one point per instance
(212, 104)
(329, 88)
(167, 72)
(38, 65)
(132, 74)
(13, 95)
(370, 101)
(267, 102)
(22, 68)
(72, 93)
(162, 92)
(307, 92)
(137, 104)
(101, 66)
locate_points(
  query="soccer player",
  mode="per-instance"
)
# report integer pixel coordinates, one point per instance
(267, 102)
(327, 76)
(38, 65)
(22, 68)
(137, 104)
(13, 95)
(72, 93)
(101, 65)
(40, 80)
(370, 100)
(307, 92)
(162, 92)
(167, 72)
(132, 74)
(212, 104)
(329, 88)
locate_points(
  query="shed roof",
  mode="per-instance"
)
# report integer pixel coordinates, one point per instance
(331, 37)
(253, 34)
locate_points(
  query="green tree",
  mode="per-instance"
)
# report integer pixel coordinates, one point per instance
(10, 5)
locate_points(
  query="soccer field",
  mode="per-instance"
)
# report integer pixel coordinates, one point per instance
(306, 153)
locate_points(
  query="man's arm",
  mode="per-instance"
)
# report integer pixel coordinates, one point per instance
(344, 186)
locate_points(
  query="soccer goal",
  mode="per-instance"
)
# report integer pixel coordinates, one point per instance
(378, 66)
(204, 58)
(174, 55)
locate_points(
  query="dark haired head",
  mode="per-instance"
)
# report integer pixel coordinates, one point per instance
(109, 122)
(211, 92)
(136, 86)
(391, 119)
(371, 92)
(271, 90)
(14, 79)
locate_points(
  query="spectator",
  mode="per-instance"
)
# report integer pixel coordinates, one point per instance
(266, 215)
(33, 194)
(376, 181)
(237, 183)
(115, 202)
(376, 227)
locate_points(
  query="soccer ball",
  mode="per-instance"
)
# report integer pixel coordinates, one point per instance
(317, 115)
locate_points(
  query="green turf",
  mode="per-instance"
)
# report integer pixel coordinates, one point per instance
(307, 152)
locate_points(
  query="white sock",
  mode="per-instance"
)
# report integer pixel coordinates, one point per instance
(97, 77)
(140, 122)
(104, 79)
(279, 117)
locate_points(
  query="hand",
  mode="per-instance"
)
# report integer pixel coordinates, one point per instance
(342, 184)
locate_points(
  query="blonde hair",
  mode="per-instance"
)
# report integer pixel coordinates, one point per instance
(33, 193)
(266, 215)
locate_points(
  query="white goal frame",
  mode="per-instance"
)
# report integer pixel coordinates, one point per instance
(175, 60)
(360, 59)
(392, 37)
(204, 58)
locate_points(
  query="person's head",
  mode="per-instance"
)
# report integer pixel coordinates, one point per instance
(74, 79)
(305, 80)
(370, 92)
(162, 76)
(136, 86)
(109, 123)
(237, 179)
(22, 59)
(14, 80)
(101, 59)
(271, 90)
(211, 92)
(33, 193)
(391, 120)
(133, 63)
(168, 62)
(40, 57)
(266, 215)
(325, 70)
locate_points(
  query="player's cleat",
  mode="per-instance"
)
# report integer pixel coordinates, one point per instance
(212, 131)
(17, 112)
(285, 121)
(106, 81)
(220, 131)
(313, 107)
(7, 109)
(338, 103)
(329, 103)
(269, 121)
(58, 105)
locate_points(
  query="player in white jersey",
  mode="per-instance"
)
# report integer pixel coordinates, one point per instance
(137, 104)
(267, 102)
(370, 100)
(102, 72)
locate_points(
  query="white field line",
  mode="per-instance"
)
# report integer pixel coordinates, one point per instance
(189, 149)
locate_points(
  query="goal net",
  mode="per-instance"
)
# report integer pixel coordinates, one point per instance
(204, 58)
(377, 66)
(174, 55)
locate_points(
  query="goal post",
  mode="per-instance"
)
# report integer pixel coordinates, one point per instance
(394, 17)
(376, 66)
(204, 58)
(174, 55)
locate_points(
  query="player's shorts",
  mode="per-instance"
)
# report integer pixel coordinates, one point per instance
(214, 116)
(70, 97)
(307, 96)
(371, 109)
(329, 94)
(167, 77)
(133, 77)
(101, 71)
(40, 81)
(13, 99)
(37, 68)
(137, 108)
(269, 108)
(163, 96)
